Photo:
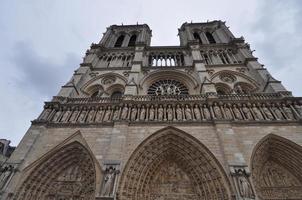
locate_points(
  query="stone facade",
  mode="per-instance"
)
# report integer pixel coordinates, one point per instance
(203, 120)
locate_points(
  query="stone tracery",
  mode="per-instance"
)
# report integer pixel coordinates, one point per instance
(164, 166)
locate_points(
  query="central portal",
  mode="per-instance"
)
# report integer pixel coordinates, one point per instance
(171, 182)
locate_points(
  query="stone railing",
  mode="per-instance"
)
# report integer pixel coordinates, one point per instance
(198, 108)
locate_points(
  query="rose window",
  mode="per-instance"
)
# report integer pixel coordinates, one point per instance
(167, 87)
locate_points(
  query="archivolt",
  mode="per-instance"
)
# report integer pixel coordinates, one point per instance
(172, 145)
(68, 173)
(276, 168)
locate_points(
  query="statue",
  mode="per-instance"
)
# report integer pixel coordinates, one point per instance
(178, 113)
(267, 112)
(45, 114)
(298, 109)
(245, 188)
(277, 112)
(124, 112)
(151, 113)
(188, 113)
(160, 113)
(74, 115)
(99, 115)
(247, 113)
(116, 114)
(133, 113)
(66, 115)
(217, 111)
(257, 113)
(142, 113)
(227, 111)
(90, 116)
(57, 116)
(108, 184)
(237, 112)
(288, 112)
(82, 116)
(206, 112)
(169, 113)
(5, 173)
(107, 114)
(197, 112)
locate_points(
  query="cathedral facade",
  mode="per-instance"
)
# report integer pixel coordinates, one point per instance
(202, 120)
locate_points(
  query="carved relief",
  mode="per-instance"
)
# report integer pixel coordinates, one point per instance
(110, 178)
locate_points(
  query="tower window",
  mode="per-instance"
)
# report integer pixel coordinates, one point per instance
(210, 38)
(119, 41)
(197, 37)
(132, 41)
(116, 94)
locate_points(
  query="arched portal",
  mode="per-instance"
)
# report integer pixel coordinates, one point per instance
(276, 168)
(69, 173)
(171, 164)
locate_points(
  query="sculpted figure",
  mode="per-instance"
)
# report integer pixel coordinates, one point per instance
(57, 116)
(74, 115)
(257, 113)
(206, 112)
(45, 114)
(197, 112)
(169, 113)
(288, 112)
(66, 115)
(107, 114)
(124, 112)
(178, 113)
(267, 112)
(108, 184)
(151, 113)
(160, 113)
(298, 108)
(99, 115)
(277, 112)
(133, 113)
(247, 113)
(217, 111)
(5, 173)
(142, 113)
(245, 188)
(237, 112)
(227, 111)
(116, 114)
(91, 116)
(82, 116)
(188, 113)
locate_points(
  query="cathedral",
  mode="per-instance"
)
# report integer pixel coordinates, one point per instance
(200, 121)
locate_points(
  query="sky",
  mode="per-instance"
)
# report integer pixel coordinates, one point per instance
(43, 42)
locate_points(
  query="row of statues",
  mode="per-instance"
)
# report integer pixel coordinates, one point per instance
(169, 112)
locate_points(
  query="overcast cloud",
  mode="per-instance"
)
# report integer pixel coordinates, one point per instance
(43, 42)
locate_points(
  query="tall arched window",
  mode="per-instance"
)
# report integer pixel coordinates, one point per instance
(210, 38)
(116, 94)
(119, 41)
(197, 37)
(132, 41)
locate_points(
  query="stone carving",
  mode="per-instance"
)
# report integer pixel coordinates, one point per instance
(82, 116)
(160, 113)
(267, 112)
(5, 173)
(298, 108)
(237, 113)
(288, 112)
(57, 116)
(246, 112)
(109, 182)
(108, 80)
(74, 115)
(142, 114)
(107, 114)
(66, 115)
(45, 114)
(99, 115)
(277, 112)
(151, 113)
(125, 112)
(228, 112)
(178, 113)
(196, 111)
(133, 113)
(206, 112)
(227, 77)
(169, 113)
(257, 113)
(188, 113)
(167, 87)
(242, 182)
(116, 114)
(217, 111)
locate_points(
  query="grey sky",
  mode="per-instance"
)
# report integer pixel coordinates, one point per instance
(42, 42)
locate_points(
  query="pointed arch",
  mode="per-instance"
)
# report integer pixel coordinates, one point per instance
(132, 40)
(210, 38)
(119, 41)
(173, 164)
(276, 165)
(68, 171)
(197, 37)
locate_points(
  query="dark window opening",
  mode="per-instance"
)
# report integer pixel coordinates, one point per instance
(132, 41)
(116, 94)
(119, 41)
(197, 37)
(210, 38)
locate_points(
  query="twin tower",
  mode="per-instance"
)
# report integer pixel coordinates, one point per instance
(202, 120)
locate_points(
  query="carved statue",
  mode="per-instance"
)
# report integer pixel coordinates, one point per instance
(217, 111)
(197, 112)
(237, 112)
(99, 115)
(133, 113)
(298, 108)
(65, 115)
(178, 113)
(90, 116)
(267, 112)
(169, 113)
(5, 173)
(288, 112)
(142, 114)
(206, 112)
(45, 114)
(151, 113)
(247, 113)
(57, 116)
(160, 113)
(257, 113)
(82, 116)
(74, 115)
(124, 112)
(108, 184)
(116, 114)
(188, 113)
(245, 188)
(107, 114)
(277, 112)
(227, 111)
